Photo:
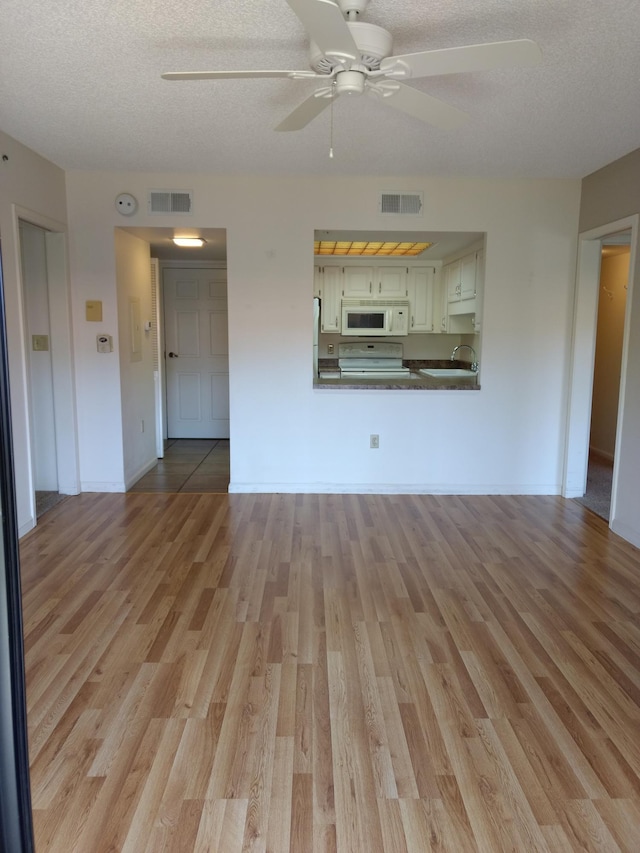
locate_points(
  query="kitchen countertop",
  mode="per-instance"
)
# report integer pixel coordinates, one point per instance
(415, 382)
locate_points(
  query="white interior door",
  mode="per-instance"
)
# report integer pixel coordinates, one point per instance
(197, 353)
(36, 301)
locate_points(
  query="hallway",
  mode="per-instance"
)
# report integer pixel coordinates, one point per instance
(199, 465)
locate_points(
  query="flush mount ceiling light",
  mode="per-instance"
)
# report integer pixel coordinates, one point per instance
(368, 248)
(189, 242)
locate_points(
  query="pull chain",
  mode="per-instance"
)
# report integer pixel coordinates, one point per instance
(331, 126)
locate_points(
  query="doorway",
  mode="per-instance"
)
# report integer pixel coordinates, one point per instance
(52, 427)
(581, 389)
(612, 299)
(35, 290)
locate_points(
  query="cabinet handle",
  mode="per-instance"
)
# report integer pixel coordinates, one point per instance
(336, 322)
(380, 287)
(412, 321)
(370, 287)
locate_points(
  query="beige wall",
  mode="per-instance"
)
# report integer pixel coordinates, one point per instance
(611, 193)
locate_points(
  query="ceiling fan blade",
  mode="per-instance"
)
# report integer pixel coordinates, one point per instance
(326, 26)
(422, 106)
(230, 75)
(304, 113)
(455, 60)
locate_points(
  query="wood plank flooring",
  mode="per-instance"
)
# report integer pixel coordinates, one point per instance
(320, 673)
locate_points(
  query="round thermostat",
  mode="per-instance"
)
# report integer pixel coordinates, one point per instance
(126, 204)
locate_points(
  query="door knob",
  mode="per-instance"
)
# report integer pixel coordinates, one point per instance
(173, 355)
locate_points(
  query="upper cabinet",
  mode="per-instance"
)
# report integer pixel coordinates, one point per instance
(460, 277)
(441, 299)
(463, 282)
(392, 282)
(421, 293)
(379, 282)
(463, 278)
(328, 284)
(358, 282)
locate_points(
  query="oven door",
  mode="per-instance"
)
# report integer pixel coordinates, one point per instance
(367, 321)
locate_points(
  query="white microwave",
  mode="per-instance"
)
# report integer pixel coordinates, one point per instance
(371, 317)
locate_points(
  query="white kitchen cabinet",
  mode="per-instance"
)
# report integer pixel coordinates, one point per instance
(460, 277)
(441, 303)
(391, 282)
(379, 282)
(358, 282)
(421, 291)
(330, 295)
(479, 288)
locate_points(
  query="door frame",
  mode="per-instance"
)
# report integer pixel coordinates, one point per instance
(62, 358)
(585, 322)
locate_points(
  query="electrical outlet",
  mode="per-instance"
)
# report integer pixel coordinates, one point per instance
(374, 441)
(331, 349)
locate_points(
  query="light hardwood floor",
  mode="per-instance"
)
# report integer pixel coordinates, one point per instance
(332, 673)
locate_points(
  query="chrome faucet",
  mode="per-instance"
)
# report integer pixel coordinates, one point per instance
(474, 363)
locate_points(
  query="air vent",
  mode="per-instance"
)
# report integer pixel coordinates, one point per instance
(170, 201)
(401, 204)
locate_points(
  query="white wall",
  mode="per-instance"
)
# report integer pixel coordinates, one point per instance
(286, 436)
(30, 183)
(133, 278)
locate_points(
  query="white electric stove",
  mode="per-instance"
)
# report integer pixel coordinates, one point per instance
(372, 360)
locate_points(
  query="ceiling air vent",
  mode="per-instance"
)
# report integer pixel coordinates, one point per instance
(170, 201)
(401, 204)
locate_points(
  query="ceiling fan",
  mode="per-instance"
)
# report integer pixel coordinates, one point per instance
(353, 57)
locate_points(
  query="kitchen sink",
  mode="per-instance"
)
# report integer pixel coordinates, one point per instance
(447, 372)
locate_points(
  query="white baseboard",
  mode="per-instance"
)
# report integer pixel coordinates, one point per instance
(142, 470)
(392, 489)
(25, 528)
(631, 534)
(101, 486)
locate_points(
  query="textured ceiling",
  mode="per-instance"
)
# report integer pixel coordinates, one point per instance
(80, 84)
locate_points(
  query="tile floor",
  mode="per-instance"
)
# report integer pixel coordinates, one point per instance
(189, 465)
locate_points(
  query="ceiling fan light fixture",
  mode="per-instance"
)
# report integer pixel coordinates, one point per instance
(189, 242)
(350, 83)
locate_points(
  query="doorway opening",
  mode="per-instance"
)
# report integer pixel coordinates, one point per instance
(49, 363)
(191, 362)
(612, 299)
(597, 384)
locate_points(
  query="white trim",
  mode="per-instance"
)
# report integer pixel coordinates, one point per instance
(100, 486)
(26, 527)
(393, 489)
(62, 356)
(626, 532)
(583, 357)
(142, 470)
